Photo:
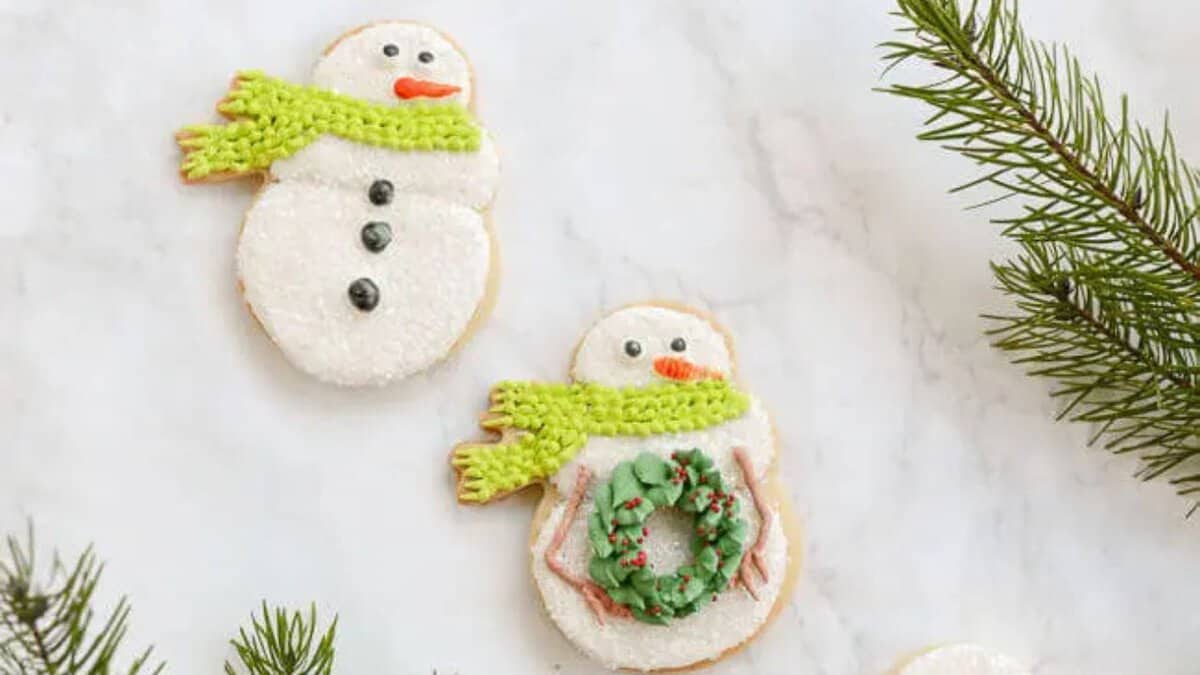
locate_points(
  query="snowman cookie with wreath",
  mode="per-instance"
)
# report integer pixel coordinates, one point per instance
(367, 255)
(663, 540)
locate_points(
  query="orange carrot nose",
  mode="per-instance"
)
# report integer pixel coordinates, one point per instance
(682, 370)
(407, 87)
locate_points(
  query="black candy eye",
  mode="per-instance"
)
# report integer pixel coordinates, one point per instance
(390, 50)
(633, 348)
(425, 57)
(678, 344)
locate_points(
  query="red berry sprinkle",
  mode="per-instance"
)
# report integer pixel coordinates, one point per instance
(645, 531)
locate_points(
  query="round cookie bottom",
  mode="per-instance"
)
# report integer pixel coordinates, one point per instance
(789, 526)
(483, 308)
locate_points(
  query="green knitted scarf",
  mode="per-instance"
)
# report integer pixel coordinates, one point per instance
(273, 119)
(558, 418)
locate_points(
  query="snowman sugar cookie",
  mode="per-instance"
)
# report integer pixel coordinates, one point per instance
(367, 255)
(663, 539)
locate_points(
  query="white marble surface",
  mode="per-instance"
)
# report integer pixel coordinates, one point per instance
(728, 154)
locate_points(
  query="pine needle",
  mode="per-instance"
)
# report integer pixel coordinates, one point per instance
(49, 628)
(1106, 287)
(282, 644)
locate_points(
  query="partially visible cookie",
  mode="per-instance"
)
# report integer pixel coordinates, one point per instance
(367, 255)
(663, 540)
(961, 659)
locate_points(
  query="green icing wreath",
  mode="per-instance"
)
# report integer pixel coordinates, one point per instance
(617, 528)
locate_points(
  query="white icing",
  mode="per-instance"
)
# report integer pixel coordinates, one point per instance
(300, 250)
(601, 357)
(465, 178)
(358, 67)
(301, 247)
(627, 643)
(735, 616)
(962, 660)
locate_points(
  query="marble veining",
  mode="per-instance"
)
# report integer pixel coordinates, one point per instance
(729, 154)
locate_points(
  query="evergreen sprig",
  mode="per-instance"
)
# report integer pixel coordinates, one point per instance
(282, 644)
(1106, 283)
(50, 629)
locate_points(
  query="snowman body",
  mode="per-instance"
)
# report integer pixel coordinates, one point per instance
(730, 620)
(302, 246)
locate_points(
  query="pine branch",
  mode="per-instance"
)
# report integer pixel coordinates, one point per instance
(1106, 287)
(48, 630)
(280, 644)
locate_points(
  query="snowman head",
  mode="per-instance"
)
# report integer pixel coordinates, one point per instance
(640, 345)
(397, 63)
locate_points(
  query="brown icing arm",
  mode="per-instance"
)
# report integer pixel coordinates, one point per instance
(595, 596)
(754, 559)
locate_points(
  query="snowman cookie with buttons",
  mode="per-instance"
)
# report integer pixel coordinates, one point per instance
(663, 539)
(367, 255)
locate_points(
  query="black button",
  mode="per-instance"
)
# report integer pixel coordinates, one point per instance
(376, 236)
(364, 294)
(381, 192)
